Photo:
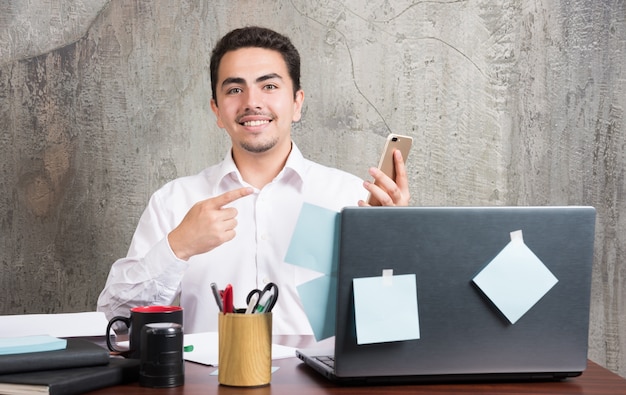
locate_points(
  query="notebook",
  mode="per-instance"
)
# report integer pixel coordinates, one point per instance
(491, 293)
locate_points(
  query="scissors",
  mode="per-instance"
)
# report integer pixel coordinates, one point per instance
(265, 299)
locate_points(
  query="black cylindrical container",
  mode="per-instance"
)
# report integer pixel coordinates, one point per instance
(162, 355)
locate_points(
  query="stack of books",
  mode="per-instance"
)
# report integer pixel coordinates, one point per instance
(48, 365)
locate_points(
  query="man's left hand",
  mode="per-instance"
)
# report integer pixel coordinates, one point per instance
(386, 192)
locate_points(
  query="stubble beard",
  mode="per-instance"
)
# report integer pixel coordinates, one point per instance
(260, 147)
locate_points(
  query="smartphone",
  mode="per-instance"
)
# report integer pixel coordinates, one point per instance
(386, 165)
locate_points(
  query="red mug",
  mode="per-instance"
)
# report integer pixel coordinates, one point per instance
(139, 316)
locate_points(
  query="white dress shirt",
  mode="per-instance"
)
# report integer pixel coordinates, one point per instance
(152, 274)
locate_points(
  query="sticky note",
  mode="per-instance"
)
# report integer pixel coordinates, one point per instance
(28, 344)
(319, 299)
(313, 243)
(385, 309)
(516, 279)
(314, 246)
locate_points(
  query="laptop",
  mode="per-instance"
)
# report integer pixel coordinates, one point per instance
(465, 330)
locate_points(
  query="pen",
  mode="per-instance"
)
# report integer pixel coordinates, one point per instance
(216, 295)
(253, 299)
(227, 303)
(263, 303)
(270, 303)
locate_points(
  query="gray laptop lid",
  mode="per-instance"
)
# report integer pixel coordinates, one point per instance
(462, 332)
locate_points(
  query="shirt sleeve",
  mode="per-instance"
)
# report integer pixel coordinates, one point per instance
(151, 273)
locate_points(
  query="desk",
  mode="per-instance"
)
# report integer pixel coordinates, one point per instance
(294, 378)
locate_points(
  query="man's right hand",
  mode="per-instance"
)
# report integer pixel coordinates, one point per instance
(208, 224)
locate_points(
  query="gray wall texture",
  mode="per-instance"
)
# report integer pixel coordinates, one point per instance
(510, 103)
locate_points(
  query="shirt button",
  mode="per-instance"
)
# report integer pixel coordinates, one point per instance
(266, 280)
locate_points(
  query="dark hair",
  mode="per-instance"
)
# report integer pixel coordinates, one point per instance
(256, 37)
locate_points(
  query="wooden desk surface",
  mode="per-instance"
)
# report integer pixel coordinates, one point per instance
(294, 378)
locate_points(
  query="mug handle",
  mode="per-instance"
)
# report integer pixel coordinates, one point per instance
(126, 320)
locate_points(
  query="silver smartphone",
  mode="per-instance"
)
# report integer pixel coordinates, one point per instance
(386, 165)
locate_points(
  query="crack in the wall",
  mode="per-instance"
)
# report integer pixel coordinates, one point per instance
(14, 34)
(397, 15)
(352, 67)
(349, 49)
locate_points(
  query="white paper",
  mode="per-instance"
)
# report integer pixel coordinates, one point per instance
(206, 345)
(88, 324)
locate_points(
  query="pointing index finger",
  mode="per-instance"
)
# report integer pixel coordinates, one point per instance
(231, 196)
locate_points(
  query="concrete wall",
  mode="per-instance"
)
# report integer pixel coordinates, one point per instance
(101, 102)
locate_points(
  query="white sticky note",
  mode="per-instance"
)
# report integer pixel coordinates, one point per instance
(385, 309)
(516, 279)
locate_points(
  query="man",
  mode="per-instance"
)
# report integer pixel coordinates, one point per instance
(233, 222)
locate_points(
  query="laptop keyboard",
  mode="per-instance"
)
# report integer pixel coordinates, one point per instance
(328, 361)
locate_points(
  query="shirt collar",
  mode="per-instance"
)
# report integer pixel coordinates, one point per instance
(295, 166)
(295, 161)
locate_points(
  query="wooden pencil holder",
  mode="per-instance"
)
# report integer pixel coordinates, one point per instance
(245, 349)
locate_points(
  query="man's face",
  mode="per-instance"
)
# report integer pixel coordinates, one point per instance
(255, 100)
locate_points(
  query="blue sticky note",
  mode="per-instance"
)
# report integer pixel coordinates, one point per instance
(28, 344)
(314, 246)
(385, 309)
(319, 299)
(313, 243)
(516, 279)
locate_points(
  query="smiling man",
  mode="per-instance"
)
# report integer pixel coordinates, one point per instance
(257, 105)
(232, 223)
